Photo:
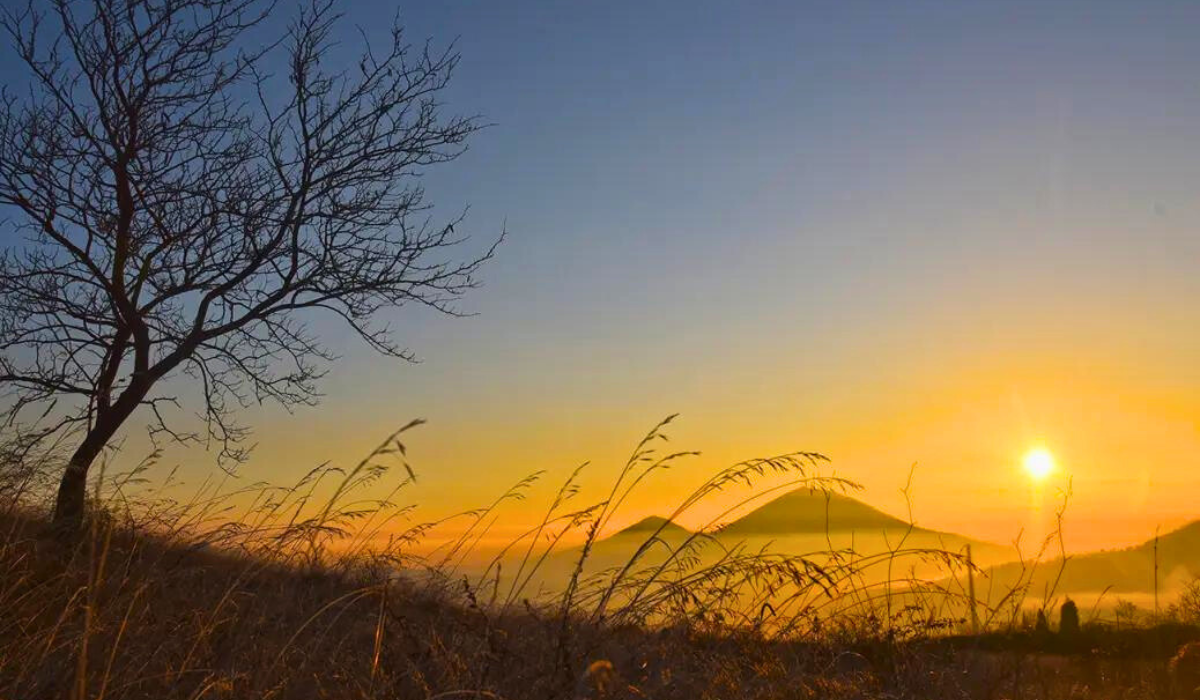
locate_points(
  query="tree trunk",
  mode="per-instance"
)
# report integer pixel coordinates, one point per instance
(72, 490)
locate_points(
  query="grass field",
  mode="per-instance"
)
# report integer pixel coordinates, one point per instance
(296, 595)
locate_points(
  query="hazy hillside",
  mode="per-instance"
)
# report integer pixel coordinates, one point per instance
(795, 523)
(806, 511)
(1128, 572)
(648, 526)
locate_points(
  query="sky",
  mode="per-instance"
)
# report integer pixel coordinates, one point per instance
(925, 233)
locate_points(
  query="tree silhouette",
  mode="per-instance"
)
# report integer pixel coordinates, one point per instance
(1041, 626)
(184, 212)
(1068, 619)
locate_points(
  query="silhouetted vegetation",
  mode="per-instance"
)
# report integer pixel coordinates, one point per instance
(318, 590)
(186, 213)
(1068, 619)
(1041, 628)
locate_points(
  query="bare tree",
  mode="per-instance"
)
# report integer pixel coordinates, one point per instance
(183, 210)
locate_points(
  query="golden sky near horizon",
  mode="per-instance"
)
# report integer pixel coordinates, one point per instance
(1122, 426)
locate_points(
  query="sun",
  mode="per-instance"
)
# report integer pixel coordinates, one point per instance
(1039, 463)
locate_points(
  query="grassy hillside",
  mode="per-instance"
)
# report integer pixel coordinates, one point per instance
(299, 596)
(126, 615)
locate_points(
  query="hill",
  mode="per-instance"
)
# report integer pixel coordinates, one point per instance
(806, 511)
(804, 520)
(650, 525)
(1128, 571)
(181, 622)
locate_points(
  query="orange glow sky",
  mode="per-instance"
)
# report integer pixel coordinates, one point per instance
(1122, 425)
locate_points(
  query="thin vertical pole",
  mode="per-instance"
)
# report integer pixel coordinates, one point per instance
(971, 591)
(1156, 572)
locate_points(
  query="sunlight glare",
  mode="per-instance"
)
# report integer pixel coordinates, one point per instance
(1039, 463)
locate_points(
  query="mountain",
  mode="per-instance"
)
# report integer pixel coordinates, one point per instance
(801, 522)
(1116, 572)
(648, 526)
(805, 520)
(616, 549)
(807, 511)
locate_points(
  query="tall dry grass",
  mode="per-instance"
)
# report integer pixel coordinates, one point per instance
(322, 589)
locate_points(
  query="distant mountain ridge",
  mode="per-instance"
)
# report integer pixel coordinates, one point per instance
(1118, 571)
(808, 511)
(801, 522)
(650, 525)
(802, 511)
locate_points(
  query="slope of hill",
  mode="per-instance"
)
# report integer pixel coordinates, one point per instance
(1119, 572)
(804, 520)
(650, 525)
(806, 511)
(168, 609)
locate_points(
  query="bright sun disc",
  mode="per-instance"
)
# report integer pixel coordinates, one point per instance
(1039, 463)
